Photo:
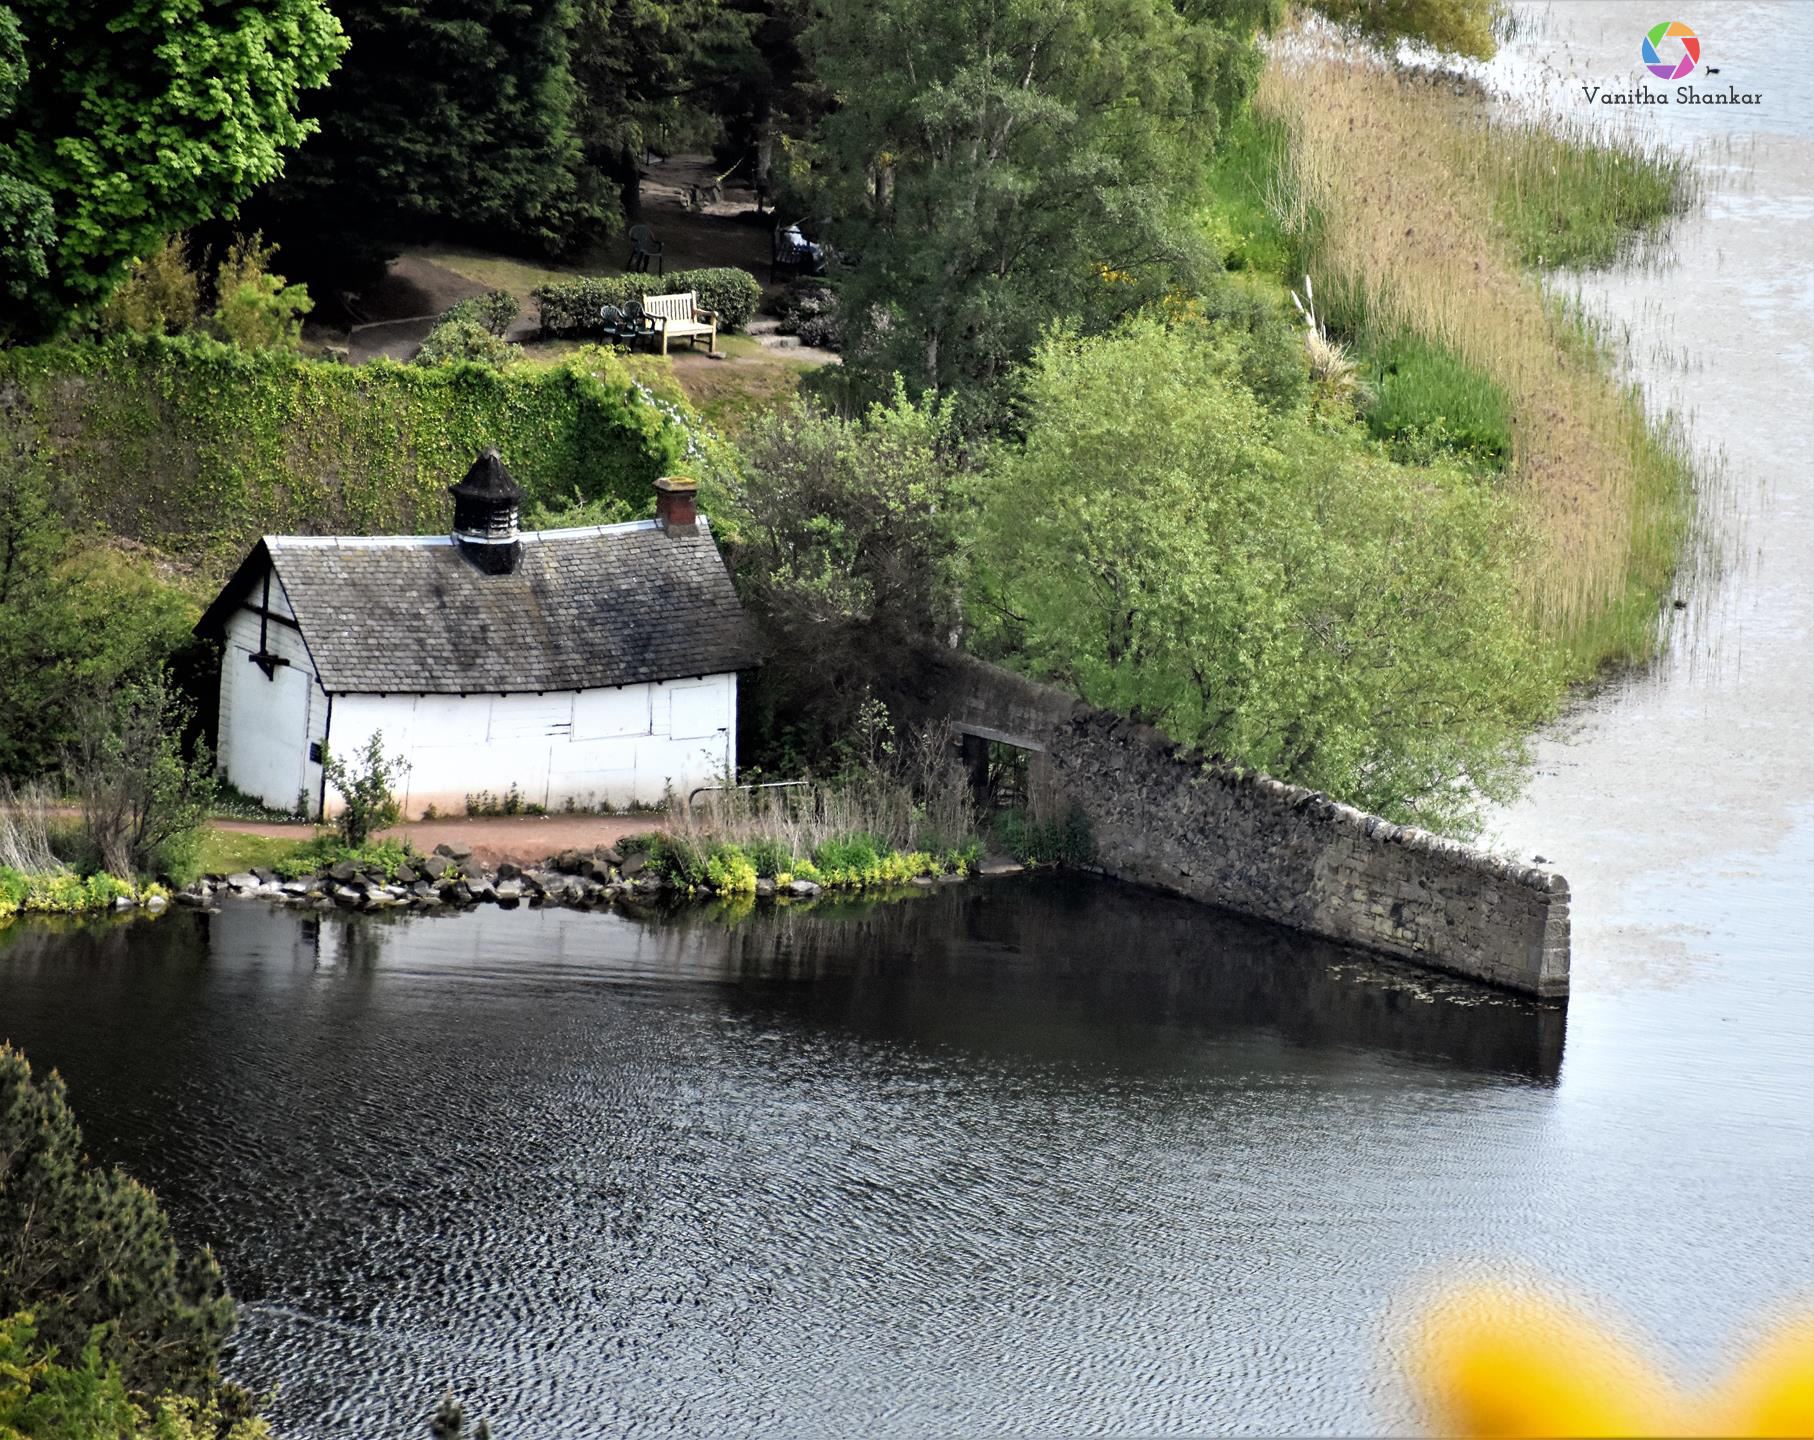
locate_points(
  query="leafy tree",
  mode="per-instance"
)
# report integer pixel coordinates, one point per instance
(254, 308)
(78, 620)
(455, 117)
(1266, 587)
(997, 164)
(143, 801)
(161, 294)
(1461, 27)
(849, 552)
(118, 129)
(84, 1246)
(647, 71)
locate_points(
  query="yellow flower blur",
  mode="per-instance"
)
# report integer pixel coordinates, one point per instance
(1491, 1362)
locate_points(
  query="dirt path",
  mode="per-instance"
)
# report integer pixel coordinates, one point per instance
(520, 839)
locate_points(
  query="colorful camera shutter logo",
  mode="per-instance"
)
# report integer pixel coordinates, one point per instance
(1654, 49)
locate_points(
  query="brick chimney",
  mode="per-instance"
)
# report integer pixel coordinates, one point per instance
(674, 503)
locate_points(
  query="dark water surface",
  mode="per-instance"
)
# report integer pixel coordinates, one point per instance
(1033, 1156)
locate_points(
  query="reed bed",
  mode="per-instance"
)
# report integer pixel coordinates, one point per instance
(1390, 190)
(27, 813)
(914, 799)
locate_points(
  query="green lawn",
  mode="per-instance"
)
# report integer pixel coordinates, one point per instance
(223, 852)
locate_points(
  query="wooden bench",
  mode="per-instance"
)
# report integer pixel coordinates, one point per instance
(678, 317)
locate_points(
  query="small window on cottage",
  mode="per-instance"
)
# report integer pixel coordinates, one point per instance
(695, 711)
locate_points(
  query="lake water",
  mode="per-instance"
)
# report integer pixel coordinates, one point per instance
(1039, 1157)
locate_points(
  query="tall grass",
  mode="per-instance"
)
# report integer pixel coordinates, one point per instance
(1391, 188)
(915, 798)
(26, 817)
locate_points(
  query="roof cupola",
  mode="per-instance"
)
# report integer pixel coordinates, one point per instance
(486, 505)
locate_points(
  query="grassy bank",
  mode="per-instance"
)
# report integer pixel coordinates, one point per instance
(1417, 218)
(886, 824)
(65, 892)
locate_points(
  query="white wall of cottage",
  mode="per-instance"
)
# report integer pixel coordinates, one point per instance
(599, 747)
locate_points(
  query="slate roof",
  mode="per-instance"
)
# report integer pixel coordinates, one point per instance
(605, 605)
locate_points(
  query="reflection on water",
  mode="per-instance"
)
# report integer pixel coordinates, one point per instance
(1041, 1156)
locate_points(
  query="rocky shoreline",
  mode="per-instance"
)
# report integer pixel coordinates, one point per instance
(449, 880)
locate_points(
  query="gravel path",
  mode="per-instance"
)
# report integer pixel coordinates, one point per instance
(520, 839)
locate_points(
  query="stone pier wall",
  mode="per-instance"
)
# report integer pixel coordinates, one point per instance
(1168, 817)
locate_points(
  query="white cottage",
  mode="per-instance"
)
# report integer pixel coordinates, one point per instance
(596, 665)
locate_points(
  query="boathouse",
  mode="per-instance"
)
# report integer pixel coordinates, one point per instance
(593, 666)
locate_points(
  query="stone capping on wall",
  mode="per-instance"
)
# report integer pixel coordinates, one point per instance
(1166, 815)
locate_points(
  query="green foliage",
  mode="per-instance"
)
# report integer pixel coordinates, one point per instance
(1430, 403)
(199, 447)
(366, 785)
(143, 801)
(730, 871)
(89, 1252)
(849, 553)
(255, 309)
(466, 341)
(1459, 27)
(160, 296)
(62, 892)
(1064, 841)
(996, 167)
(809, 309)
(79, 620)
(1265, 587)
(856, 853)
(570, 307)
(46, 1400)
(127, 127)
(444, 119)
(495, 310)
(653, 72)
(328, 848)
(767, 857)
(1244, 227)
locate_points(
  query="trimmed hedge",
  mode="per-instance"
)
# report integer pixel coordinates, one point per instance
(570, 307)
(198, 447)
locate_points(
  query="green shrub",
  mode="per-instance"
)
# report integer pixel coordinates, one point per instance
(254, 308)
(570, 307)
(143, 799)
(366, 788)
(495, 310)
(89, 1400)
(466, 340)
(327, 848)
(730, 870)
(62, 892)
(160, 296)
(769, 857)
(852, 853)
(676, 859)
(88, 1246)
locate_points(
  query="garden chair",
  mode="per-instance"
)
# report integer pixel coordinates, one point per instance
(639, 326)
(644, 247)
